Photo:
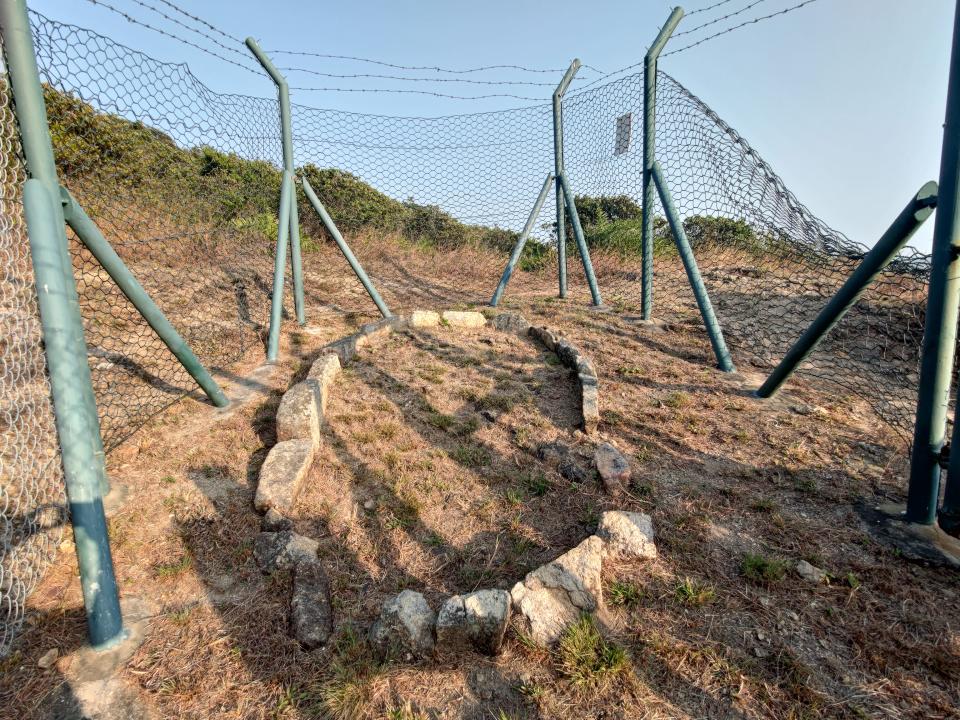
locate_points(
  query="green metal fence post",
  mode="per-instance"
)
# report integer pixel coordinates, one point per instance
(286, 134)
(37, 149)
(90, 235)
(558, 170)
(724, 362)
(940, 327)
(65, 348)
(581, 240)
(279, 268)
(521, 242)
(910, 219)
(650, 156)
(345, 249)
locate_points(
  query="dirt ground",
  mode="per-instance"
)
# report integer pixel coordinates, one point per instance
(719, 625)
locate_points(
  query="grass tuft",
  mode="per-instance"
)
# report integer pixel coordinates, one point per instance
(623, 594)
(587, 659)
(693, 592)
(764, 571)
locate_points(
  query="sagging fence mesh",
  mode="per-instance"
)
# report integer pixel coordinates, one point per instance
(184, 182)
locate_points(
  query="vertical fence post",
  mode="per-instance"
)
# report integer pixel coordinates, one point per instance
(940, 327)
(521, 242)
(558, 170)
(286, 134)
(78, 429)
(650, 156)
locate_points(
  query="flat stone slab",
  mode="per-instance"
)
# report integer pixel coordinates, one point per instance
(552, 597)
(324, 371)
(613, 467)
(406, 625)
(283, 550)
(456, 318)
(628, 534)
(282, 475)
(298, 417)
(311, 615)
(589, 407)
(474, 621)
(424, 319)
(511, 322)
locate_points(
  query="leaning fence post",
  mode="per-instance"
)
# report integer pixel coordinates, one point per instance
(650, 157)
(581, 240)
(286, 134)
(75, 411)
(558, 170)
(888, 246)
(693, 272)
(521, 242)
(940, 326)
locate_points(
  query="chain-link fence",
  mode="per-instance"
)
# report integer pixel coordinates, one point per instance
(184, 182)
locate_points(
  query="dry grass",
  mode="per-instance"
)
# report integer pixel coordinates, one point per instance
(461, 501)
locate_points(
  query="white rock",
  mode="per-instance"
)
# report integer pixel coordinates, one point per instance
(628, 533)
(48, 659)
(406, 624)
(298, 417)
(455, 318)
(424, 318)
(553, 596)
(478, 620)
(810, 572)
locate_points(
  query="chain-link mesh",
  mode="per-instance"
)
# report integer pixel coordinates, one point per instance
(184, 182)
(31, 486)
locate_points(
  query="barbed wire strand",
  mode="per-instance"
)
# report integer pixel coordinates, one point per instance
(243, 53)
(418, 92)
(201, 21)
(418, 79)
(719, 19)
(708, 8)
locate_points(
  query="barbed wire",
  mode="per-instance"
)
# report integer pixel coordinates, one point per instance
(135, 21)
(201, 21)
(418, 79)
(738, 27)
(418, 92)
(708, 8)
(719, 19)
(158, 11)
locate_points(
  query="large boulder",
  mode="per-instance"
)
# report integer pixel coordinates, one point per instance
(478, 621)
(406, 625)
(628, 534)
(311, 615)
(283, 550)
(552, 597)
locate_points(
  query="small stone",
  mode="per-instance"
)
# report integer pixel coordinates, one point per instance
(553, 596)
(406, 624)
(283, 550)
(628, 533)
(370, 505)
(811, 573)
(511, 322)
(613, 467)
(282, 475)
(274, 521)
(298, 417)
(458, 319)
(311, 615)
(424, 319)
(48, 659)
(478, 620)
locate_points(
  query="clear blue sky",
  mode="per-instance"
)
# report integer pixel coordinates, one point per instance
(844, 98)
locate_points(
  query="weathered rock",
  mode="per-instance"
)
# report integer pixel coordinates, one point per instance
(511, 322)
(585, 368)
(574, 472)
(553, 453)
(345, 348)
(48, 659)
(589, 407)
(544, 336)
(568, 354)
(274, 521)
(628, 534)
(324, 370)
(375, 331)
(283, 550)
(478, 620)
(298, 417)
(811, 573)
(311, 615)
(553, 596)
(456, 318)
(613, 467)
(406, 624)
(282, 475)
(424, 319)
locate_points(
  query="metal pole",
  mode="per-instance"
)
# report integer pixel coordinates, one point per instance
(90, 235)
(650, 156)
(521, 242)
(37, 149)
(83, 468)
(581, 241)
(940, 327)
(919, 208)
(345, 249)
(693, 272)
(286, 134)
(279, 267)
(558, 170)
